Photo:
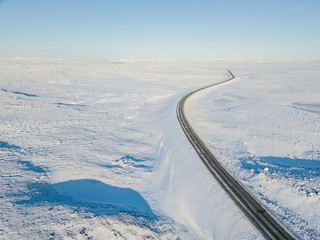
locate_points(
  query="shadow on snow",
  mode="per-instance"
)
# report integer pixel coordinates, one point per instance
(126, 162)
(20, 93)
(32, 167)
(97, 197)
(299, 168)
(8, 146)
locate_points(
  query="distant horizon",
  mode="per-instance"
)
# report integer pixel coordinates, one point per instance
(106, 30)
(160, 59)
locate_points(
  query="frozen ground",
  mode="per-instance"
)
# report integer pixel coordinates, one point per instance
(93, 150)
(265, 126)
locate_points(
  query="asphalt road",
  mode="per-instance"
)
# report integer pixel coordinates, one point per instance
(269, 226)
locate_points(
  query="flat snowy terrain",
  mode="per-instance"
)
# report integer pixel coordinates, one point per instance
(93, 150)
(264, 126)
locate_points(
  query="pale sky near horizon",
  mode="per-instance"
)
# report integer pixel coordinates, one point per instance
(160, 29)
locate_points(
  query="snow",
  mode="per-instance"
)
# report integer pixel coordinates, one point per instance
(93, 150)
(265, 127)
(94, 191)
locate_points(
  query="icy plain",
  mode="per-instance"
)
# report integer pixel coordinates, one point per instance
(93, 150)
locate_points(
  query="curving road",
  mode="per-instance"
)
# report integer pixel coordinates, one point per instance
(261, 218)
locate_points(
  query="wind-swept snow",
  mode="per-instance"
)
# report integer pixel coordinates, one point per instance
(265, 127)
(93, 150)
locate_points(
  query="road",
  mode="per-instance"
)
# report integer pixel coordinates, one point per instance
(261, 218)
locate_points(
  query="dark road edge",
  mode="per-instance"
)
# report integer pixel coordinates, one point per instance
(260, 217)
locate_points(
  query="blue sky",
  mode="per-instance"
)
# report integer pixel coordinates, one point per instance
(166, 29)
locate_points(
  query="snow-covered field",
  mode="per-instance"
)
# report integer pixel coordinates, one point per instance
(93, 150)
(265, 127)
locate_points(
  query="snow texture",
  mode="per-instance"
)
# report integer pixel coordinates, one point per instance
(265, 128)
(93, 150)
